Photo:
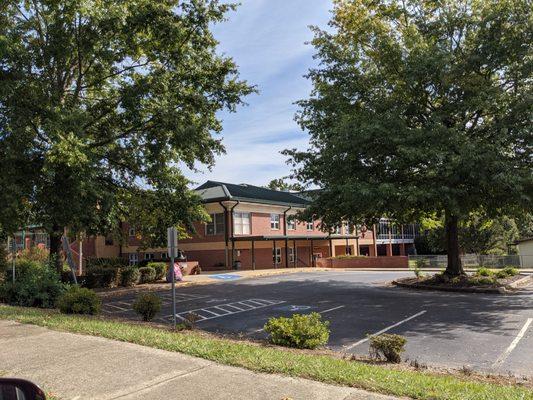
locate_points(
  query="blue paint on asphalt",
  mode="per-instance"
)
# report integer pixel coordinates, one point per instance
(226, 277)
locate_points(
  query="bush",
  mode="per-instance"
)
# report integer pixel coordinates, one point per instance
(483, 271)
(300, 331)
(36, 285)
(147, 274)
(129, 276)
(79, 301)
(147, 305)
(160, 269)
(418, 272)
(3, 261)
(482, 280)
(115, 262)
(102, 277)
(35, 253)
(388, 347)
(509, 271)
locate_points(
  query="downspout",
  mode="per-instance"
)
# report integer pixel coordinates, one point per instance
(226, 230)
(285, 234)
(226, 234)
(232, 234)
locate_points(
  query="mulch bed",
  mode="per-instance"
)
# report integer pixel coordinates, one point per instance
(466, 283)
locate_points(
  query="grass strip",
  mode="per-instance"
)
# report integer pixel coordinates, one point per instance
(323, 368)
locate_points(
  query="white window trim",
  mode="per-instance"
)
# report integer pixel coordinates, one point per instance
(312, 223)
(149, 256)
(291, 254)
(291, 220)
(214, 222)
(242, 224)
(133, 258)
(276, 255)
(275, 222)
(132, 232)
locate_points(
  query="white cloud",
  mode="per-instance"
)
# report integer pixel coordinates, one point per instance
(267, 39)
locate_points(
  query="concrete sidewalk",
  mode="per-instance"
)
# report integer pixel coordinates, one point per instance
(85, 367)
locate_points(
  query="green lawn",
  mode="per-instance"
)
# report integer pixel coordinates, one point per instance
(414, 384)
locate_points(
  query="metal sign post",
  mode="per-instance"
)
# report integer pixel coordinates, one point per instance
(13, 249)
(172, 245)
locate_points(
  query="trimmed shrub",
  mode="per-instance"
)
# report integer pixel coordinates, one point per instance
(300, 331)
(388, 347)
(36, 285)
(79, 301)
(116, 262)
(160, 269)
(102, 277)
(129, 276)
(147, 305)
(510, 271)
(483, 271)
(147, 274)
(482, 280)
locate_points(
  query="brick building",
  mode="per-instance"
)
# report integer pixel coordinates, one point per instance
(256, 227)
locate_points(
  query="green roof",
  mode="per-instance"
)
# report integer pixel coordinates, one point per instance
(212, 191)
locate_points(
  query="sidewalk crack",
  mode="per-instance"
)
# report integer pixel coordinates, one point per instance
(159, 382)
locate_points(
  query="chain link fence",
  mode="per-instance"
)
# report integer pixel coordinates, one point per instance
(473, 261)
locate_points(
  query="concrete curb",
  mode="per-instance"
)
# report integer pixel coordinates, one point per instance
(450, 289)
(520, 282)
(203, 279)
(507, 289)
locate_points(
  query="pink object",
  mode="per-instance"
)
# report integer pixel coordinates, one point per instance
(177, 273)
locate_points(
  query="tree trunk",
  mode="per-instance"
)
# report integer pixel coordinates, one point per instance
(55, 249)
(454, 267)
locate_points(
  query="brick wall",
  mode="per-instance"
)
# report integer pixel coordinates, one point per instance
(364, 262)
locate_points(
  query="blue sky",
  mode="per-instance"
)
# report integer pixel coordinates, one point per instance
(266, 38)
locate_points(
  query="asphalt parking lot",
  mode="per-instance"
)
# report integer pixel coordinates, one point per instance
(489, 333)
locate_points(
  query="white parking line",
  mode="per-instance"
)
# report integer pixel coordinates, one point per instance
(240, 306)
(513, 344)
(384, 330)
(330, 309)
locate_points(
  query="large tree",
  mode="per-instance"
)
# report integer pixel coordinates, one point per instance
(100, 102)
(421, 106)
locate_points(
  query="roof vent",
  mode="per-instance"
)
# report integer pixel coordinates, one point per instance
(243, 184)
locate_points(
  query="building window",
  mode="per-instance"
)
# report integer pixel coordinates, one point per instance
(149, 256)
(347, 228)
(276, 255)
(216, 225)
(131, 232)
(337, 230)
(291, 223)
(164, 256)
(310, 225)
(241, 223)
(133, 258)
(291, 254)
(274, 221)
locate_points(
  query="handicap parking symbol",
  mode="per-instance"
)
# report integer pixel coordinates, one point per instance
(225, 277)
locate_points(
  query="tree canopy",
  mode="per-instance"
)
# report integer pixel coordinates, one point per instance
(421, 107)
(101, 102)
(280, 184)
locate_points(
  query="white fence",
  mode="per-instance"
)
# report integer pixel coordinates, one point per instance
(473, 261)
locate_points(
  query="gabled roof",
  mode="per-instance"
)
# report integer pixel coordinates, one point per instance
(212, 191)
